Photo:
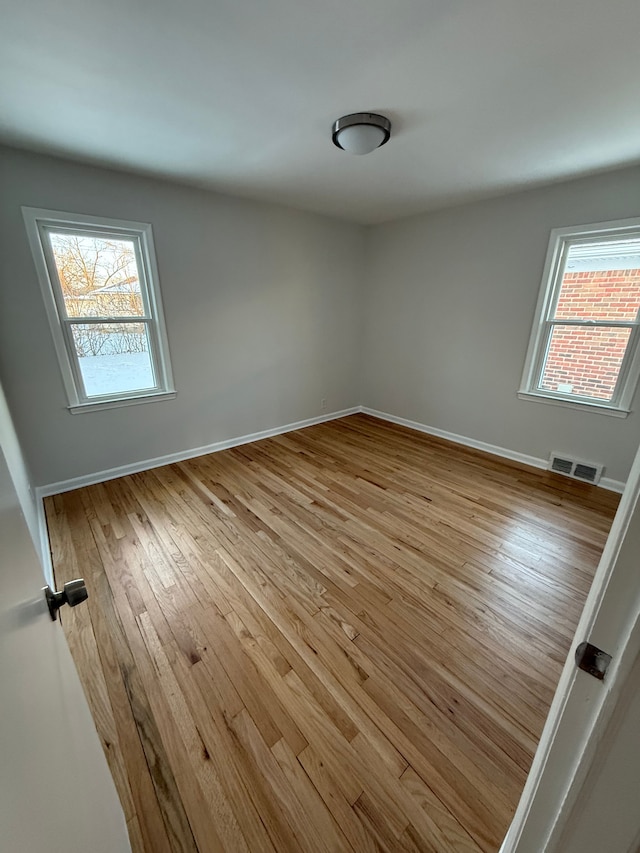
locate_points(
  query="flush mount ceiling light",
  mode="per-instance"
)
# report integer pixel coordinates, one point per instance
(361, 133)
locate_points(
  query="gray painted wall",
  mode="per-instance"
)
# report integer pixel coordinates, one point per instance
(262, 306)
(450, 303)
(269, 310)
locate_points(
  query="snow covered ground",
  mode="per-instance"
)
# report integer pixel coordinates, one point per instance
(111, 374)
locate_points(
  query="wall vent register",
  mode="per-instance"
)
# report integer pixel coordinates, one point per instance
(577, 469)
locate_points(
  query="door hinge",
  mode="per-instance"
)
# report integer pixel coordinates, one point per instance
(592, 660)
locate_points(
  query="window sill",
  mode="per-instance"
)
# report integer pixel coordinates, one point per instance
(83, 408)
(574, 404)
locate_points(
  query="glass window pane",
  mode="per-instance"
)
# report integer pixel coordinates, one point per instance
(98, 275)
(601, 281)
(583, 361)
(113, 357)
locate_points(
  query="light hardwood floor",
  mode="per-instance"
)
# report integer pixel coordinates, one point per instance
(342, 639)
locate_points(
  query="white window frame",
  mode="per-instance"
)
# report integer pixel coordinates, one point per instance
(560, 241)
(38, 222)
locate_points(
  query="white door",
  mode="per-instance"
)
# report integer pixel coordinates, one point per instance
(606, 816)
(589, 718)
(56, 792)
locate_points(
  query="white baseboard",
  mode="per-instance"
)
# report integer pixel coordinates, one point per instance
(612, 485)
(42, 492)
(514, 455)
(135, 467)
(180, 456)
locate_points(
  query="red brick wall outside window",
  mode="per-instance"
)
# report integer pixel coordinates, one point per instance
(586, 358)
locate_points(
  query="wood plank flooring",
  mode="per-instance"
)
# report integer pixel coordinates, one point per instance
(341, 639)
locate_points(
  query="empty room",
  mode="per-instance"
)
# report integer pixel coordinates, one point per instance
(319, 358)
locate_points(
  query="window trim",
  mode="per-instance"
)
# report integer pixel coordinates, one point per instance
(37, 222)
(559, 241)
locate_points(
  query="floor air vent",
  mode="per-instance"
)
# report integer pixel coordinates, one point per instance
(575, 468)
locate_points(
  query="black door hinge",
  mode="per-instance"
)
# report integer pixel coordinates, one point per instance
(592, 660)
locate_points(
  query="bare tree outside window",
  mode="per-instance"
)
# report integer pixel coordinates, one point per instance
(99, 278)
(99, 281)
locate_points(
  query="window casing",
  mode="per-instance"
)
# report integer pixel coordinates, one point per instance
(107, 325)
(584, 349)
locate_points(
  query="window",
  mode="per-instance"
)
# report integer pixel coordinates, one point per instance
(584, 349)
(100, 286)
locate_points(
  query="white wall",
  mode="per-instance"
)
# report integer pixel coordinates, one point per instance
(450, 303)
(261, 302)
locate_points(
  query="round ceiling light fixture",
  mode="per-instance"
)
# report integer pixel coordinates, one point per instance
(361, 133)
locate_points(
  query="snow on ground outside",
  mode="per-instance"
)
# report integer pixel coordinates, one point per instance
(111, 374)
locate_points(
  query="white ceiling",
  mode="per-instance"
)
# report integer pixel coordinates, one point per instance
(484, 95)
